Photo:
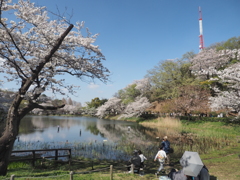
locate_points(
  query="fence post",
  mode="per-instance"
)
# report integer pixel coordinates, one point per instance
(56, 154)
(12, 177)
(71, 175)
(111, 172)
(33, 160)
(70, 156)
(132, 168)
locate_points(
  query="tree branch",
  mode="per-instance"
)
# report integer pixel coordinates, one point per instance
(32, 106)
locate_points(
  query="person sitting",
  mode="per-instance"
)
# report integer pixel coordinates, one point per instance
(135, 160)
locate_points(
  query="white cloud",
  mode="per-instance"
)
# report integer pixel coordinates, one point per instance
(93, 86)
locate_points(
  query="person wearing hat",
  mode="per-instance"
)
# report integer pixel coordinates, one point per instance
(166, 147)
(135, 160)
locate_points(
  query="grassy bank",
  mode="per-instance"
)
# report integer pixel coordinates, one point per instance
(223, 161)
(217, 143)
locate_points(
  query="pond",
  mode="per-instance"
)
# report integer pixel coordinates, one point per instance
(87, 136)
(91, 137)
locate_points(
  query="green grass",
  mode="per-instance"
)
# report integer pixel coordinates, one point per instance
(83, 169)
(223, 160)
(224, 163)
(215, 129)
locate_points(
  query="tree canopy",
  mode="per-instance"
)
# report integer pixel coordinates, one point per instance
(96, 102)
(167, 77)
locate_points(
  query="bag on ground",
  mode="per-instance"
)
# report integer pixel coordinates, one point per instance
(164, 178)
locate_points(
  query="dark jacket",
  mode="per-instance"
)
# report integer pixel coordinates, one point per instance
(204, 175)
(135, 160)
(166, 146)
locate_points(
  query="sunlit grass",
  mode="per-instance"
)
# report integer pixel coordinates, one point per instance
(202, 137)
(168, 123)
(164, 126)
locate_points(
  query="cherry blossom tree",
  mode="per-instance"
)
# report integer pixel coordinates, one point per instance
(34, 50)
(220, 69)
(67, 109)
(230, 97)
(131, 101)
(136, 108)
(112, 106)
(207, 62)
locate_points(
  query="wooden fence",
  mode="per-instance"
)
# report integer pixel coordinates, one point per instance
(36, 154)
(111, 168)
(13, 177)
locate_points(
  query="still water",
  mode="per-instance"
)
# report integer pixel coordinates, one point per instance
(72, 129)
(86, 136)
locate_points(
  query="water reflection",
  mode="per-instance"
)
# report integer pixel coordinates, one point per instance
(71, 129)
(86, 136)
(97, 138)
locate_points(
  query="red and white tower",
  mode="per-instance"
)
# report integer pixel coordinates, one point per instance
(201, 46)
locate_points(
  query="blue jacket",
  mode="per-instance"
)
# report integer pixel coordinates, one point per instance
(166, 146)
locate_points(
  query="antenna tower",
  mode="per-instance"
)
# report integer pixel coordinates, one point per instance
(201, 46)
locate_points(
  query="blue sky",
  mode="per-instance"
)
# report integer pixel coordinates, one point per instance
(136, 34)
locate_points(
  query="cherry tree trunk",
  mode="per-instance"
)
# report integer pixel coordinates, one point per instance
(5, 153)
(7, 139)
